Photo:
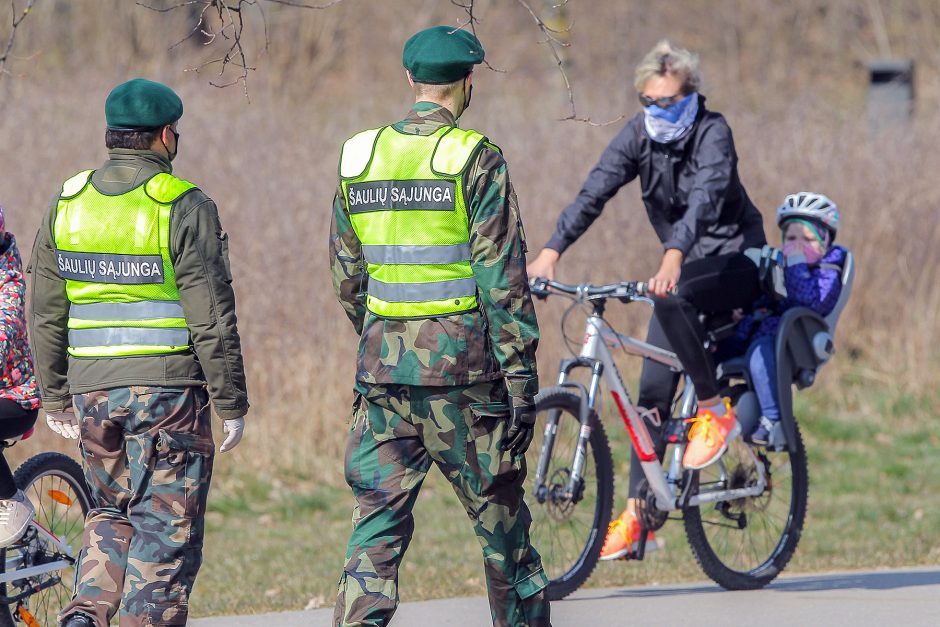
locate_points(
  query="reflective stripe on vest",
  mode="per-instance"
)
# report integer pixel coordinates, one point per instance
(448, 253)
(405, 197)
(141, 310)
(128, 336)
(417, 292)
(113, 252)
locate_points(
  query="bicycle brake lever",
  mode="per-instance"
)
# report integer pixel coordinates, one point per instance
(538, 286)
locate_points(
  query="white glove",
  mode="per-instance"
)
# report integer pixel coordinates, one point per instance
(234, 427)
(64, 423)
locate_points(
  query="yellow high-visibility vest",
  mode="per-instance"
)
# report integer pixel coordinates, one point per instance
(405, 197)
(114, 254)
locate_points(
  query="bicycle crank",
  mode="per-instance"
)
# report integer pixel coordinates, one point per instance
(650, 516)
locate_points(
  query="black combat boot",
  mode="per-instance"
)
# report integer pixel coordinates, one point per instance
(78, 620)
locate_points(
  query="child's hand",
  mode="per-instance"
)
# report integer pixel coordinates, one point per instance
(792, 248)
(737, 315)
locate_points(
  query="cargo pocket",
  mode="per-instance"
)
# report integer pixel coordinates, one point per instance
(531, 585)
(488, 468)
(168, 614)
(489, 419)
(182, 469)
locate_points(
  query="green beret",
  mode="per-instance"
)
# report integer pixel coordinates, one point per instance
(441, 54)
(140, 104)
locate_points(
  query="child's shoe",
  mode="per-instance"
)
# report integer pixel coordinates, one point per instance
(15, 514)
(768, 433)
(623, 538)
(709, 436)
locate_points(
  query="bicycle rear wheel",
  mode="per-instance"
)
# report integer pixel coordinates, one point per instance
(745, 543)
(568, 530)
(55, 485)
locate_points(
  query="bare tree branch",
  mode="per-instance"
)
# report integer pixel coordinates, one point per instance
(229, 16)
(554, 43)
(16, 22)
(472, 21)
(231, 25)
(553, 37)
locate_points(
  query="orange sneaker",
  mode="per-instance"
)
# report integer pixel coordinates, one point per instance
(623, 538)
(709, 435)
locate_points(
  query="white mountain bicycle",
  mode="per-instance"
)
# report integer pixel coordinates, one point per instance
(38, 571)
(743, 515)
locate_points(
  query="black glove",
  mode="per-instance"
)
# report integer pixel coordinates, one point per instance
(521, 427)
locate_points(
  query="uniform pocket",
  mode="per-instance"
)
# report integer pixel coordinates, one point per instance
(487, 418)
(168, 614)
(227, 265)
(182, 469)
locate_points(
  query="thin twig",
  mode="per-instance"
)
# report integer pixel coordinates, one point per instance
(472, 22)
(16, 22)
(554, 43)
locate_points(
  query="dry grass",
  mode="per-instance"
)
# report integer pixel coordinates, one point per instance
(789, 76)
(270, 163)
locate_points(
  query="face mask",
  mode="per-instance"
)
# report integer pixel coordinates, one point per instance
(673, 112)
(176, 142)
(668, 125)
(468, 94)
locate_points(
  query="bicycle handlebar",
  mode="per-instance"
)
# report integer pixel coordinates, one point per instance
(625, 291)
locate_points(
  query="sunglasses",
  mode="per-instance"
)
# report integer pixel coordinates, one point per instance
(662, 103)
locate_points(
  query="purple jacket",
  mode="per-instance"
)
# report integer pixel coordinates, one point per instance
(817, 287)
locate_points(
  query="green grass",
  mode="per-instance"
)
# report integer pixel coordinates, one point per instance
(277, 542)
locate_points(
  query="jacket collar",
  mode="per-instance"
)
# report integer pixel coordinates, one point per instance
(127, 169)
(145, 159)
(425, 118)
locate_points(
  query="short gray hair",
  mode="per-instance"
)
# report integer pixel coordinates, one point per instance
(437, 91)
(665, 59)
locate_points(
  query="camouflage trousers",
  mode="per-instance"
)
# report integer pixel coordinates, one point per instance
(397, 432)
(147, 455)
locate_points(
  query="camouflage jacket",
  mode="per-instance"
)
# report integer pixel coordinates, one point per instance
(499, 339)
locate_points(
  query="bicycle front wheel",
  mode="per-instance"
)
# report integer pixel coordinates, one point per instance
(55, 485)
(568, 527)
(743, 544)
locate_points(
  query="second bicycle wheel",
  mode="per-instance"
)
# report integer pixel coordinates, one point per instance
(55, 485)
(568, 529)
(743, 544)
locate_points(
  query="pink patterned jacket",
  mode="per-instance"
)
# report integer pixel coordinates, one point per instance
(17, 380)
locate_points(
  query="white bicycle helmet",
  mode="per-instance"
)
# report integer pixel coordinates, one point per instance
(816, 208)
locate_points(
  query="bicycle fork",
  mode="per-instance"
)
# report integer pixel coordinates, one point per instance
(574, 487)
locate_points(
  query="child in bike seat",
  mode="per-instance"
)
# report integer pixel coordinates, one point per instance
(808, 225)
(19, 395)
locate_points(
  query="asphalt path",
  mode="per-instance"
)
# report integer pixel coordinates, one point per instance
(908, 598)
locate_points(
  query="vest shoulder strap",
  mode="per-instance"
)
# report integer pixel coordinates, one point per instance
(493, 146)
(454, 150)
(166, 188)
(357, 153)
(74, 186)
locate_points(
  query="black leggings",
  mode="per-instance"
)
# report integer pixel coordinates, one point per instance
(14, 421)
(709, 285)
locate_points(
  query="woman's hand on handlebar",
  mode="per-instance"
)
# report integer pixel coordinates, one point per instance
(544, 264)
(666, 279)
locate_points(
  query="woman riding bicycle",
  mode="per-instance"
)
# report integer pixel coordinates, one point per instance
(684, 155)
(19, 396)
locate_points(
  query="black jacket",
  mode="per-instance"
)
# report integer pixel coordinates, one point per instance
(691, 189)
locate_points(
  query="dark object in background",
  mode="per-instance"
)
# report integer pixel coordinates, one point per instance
(890, 94)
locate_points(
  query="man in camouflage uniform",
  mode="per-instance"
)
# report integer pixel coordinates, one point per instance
(455, 386)
(133, 318)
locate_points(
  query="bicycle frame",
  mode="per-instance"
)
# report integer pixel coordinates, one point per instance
(596, 356)
(12, 573)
